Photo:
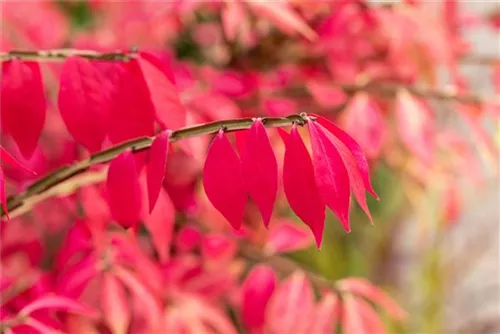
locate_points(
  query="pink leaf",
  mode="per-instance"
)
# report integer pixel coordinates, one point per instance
(162, 91)
(260, 170)
(326, 95)
(161, 225)
(84, 102)
(155, 168)
(218, 248)
(359, 318)
(257, 289)
(362, 117)
(3, 197)
(10, 160)
(232, 16)
(132, 112)
(53, 302)
(223, 180)
(23, 104)
(280, 107)
(300, 185)
(416, 126)
(115, 304)
(284, 17)
(331, 174)
(364, 288)
(123, 190)
(286, 236)
(355, 149)
(326, 315)
(292, 306)
(141, 292)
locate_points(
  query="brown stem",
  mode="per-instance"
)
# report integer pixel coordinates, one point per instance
(61, 54)
(57, 177)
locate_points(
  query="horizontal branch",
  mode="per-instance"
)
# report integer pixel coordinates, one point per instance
(38, 188)
(61, 54)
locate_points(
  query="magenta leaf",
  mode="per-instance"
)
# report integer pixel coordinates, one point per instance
(10, 160)
(123, 190)
(53, 302)
(132, 112)
(162, 91)
(257, 290)
(155, 168)
(23, 104)
(331, 174)
(355, 149)
(260, 170)
(300, 185)
(84, 102)
(3, 197)
(223, 180)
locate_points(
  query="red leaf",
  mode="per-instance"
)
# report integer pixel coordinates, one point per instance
(162, 91)
(123, 190)
(3, 197)
(355, 178)
(300, 185)
(161, 225)
(53, 302)
(84, 102)
(23, 103)
(132, 113)
(292, 306)
(331, 174)
(284, 17)
(416, 126)
(10, 160)
(115, 305)
(355, 149)
(364, 288)
(257, 289)
(155, 169)
(359, 318)
(223, 180)
(260, 170)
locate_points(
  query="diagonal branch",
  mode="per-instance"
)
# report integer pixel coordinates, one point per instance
(57, 177)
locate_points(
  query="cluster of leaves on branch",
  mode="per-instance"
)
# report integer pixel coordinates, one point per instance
(135, 176)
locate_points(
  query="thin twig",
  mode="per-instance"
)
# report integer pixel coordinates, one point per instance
(61, 54)
(35, 190)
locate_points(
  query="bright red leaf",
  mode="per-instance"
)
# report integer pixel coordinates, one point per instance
(355, 149)
(162, 91)
(260, 170)
(23, 103)
(54, 302)
(300, 185)
(84, 102)
(331, 174)
(5, 157)
(257, 289)
(123, 190)
(132, 112)
(156, 165)
(223, 180)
